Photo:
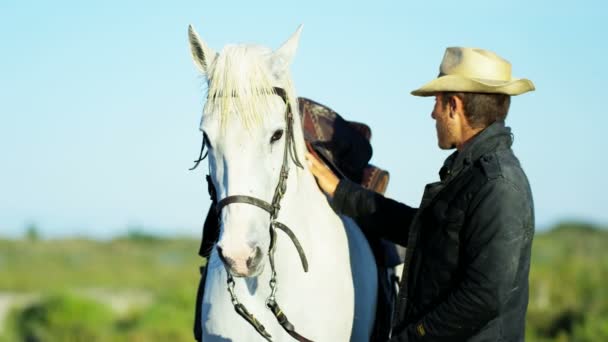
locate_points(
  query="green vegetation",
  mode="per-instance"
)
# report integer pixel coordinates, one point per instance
(134, 288)
(569, 285)
(62, 318)
(142, 287)
(136, 262)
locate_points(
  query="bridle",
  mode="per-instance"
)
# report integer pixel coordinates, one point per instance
(272, 209)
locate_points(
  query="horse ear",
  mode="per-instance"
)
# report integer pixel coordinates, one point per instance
(202, 55)
(281, 59)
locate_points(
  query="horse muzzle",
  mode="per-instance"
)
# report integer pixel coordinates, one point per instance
(242, 264)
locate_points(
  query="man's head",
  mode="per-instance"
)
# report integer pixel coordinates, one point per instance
(460, 115)
(473, 90)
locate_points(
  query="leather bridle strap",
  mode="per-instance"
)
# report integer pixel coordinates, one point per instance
(269, 208)
(244, 313)
(244, 199)
(284, 322)
(295, 241)
(271, 302)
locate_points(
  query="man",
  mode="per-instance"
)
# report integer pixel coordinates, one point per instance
(468, 244)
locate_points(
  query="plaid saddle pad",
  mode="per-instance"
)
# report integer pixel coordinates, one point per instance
(343, 145)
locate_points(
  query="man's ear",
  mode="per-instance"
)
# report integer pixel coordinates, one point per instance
(455, 106)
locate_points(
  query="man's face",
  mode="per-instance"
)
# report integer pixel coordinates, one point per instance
(445, 124)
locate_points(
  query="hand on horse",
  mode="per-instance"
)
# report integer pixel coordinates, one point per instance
(327, 180)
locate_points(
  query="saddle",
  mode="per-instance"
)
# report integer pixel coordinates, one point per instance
(343, 145)
(345, 148)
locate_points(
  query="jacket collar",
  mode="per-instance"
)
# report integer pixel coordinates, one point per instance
(494, 137)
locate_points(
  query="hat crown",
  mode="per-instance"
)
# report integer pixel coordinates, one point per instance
(475, 63)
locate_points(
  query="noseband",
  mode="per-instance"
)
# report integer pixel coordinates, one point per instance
(272, 209)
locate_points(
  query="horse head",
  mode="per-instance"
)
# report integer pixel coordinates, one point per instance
(246, 133)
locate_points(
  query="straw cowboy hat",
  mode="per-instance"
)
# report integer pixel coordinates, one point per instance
(474, 71)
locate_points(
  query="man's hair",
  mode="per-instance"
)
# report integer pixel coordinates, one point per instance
(481, 109)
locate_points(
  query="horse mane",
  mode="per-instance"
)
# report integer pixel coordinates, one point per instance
(239, 82)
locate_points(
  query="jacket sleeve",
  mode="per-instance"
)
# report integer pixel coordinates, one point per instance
(493, 240)
(374, 213)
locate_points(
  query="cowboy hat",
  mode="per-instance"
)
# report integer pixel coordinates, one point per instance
(474, 71)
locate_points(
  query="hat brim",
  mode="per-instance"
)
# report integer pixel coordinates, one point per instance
(457, 83)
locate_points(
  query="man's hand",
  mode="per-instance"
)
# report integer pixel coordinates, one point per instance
(327, 180)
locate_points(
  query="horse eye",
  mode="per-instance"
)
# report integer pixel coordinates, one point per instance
(276, 136)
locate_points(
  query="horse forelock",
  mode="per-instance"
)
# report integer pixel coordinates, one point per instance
(240, 81)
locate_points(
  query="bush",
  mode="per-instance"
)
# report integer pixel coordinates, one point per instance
(169, 318)
(568, 293)
(62, 317)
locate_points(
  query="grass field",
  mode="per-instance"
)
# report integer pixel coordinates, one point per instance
(139, 288)
(142, 288)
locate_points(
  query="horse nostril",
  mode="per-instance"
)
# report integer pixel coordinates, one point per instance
(255, 258)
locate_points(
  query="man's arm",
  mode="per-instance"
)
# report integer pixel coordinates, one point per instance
(374, 213)
(493, 242)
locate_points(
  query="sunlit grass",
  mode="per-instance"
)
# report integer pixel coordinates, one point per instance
(34, 266)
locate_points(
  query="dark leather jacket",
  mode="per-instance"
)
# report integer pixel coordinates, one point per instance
(468, 244)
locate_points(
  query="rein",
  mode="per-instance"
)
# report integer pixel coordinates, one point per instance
(272, 209)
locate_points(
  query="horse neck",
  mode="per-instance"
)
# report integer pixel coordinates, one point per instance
(303, 198)
(305, 210)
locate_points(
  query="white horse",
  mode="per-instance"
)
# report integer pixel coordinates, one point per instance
(245, 129)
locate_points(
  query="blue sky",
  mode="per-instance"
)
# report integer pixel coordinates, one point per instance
(100, 102)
